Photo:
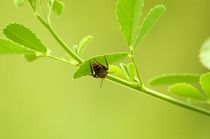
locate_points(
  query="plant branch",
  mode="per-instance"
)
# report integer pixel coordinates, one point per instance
(137, 71)
(158, 95)
(49, 14)
(135, 86)
(59, 40)
(59, 59)
(131, 85)
(136, 66)
(42, 8)
(175, 101)
(122, 82)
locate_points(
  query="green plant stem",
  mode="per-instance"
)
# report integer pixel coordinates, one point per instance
(125, 83)
(137, 71)
(42, 8)
(59, 59)
(157, 95)
(175, 101)
(142, 89)
(60, 41)
(49, 14)
(136, 66)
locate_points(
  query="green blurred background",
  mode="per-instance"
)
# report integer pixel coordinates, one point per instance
(40, 100)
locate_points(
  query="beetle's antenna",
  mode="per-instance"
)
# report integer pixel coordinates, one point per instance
(112, 72)
(107, 65)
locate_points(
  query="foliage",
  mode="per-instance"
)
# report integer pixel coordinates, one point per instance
(151, 18)
(21, 40)
(19, 3)
(26, 38)
(8, 47)
(57, 6)
(186, 90)
(180, 82)
(205, 54)
(129, 13)
(174, 78)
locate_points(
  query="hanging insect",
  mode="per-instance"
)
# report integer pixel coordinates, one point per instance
(99, 70)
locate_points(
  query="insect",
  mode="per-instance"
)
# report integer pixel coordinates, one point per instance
(99, 70)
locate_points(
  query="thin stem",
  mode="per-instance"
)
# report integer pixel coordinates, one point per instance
(158, 95)
(137, 71)
(65, 47)
(60, 41)
(136, 66)
(59, 59)
(175, 101)
(49, 13)
(43, 11)
(125, 83)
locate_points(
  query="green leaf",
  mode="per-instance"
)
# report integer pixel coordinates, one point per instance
(24, 36)
(129, 71)
(74, 62)
(115, 70)
(185, 90)
(8, 47)
(132, 71)
(79, 49)
(205, 54)
(31, 58)
(205, 83)
(84, 68)
(128, 14)
(174, 78)
(124, 69)
(76, 49)
(148, 22)
(19, 3)
(57, 6)
(84, 43)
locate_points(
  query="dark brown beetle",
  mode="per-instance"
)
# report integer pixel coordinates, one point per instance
(98, 70)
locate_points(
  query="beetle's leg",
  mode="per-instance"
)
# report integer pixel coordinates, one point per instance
(91, 68)
(101, 82)
(97, 61)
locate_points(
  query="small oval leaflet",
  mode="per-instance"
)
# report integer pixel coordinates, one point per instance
(24, 36)
(8, 47)
(205, 54)
(185, 90)
(174, 78)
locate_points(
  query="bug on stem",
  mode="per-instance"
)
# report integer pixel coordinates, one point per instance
(99, 70)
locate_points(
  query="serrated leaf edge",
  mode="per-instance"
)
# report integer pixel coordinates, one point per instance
(47, 51)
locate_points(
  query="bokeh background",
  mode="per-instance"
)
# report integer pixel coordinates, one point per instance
(40, 100)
